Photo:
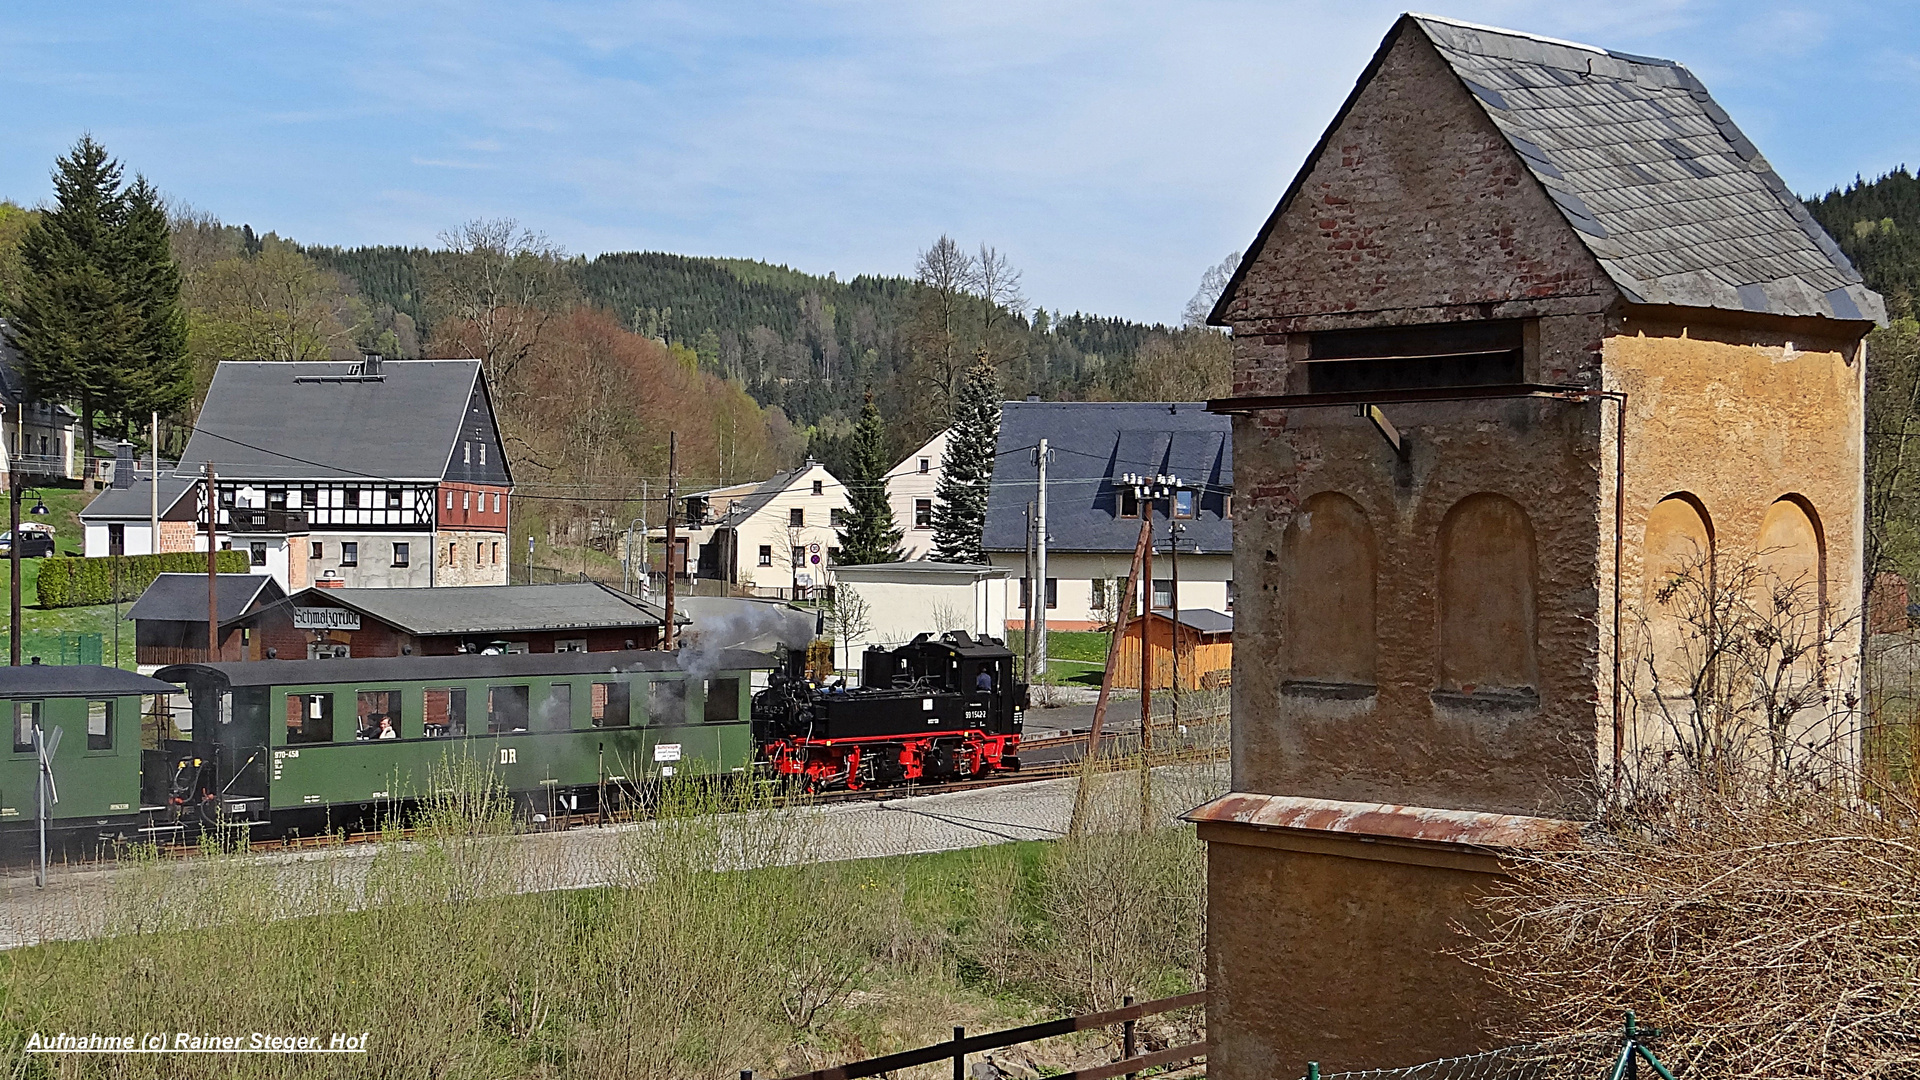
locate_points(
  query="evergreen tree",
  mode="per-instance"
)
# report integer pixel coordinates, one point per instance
(159, 376)
(74, 323)
(966, 469)
(869, 535)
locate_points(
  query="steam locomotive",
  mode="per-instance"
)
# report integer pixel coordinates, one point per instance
(933, 710)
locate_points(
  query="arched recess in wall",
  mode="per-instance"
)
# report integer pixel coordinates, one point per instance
(1488, 599)
(1329, 562)
(1677, 592)
(1791, 551)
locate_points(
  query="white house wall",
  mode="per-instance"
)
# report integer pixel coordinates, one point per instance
(1204, 583)
(907, 485)
(898, 611)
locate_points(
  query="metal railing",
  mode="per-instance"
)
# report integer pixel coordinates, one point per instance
(962, 1044)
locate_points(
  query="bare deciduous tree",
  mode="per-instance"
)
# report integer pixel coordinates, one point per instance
(501, 284)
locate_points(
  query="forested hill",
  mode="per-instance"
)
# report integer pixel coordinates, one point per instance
(811, 345)
(1877, 224)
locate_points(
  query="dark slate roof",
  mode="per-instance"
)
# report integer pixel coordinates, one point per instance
(1092, 443)
(467, 666)
(76, 680)
(134, 503)
(495, 609)
(1675, 203)
(317, 421)
(1204, 620)
(183, 597)
(750, 504)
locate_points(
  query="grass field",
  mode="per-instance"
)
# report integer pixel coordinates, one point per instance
(52, 634)
(681, 967)
(1074, 657)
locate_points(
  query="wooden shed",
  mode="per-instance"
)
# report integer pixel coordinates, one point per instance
(1206, 649)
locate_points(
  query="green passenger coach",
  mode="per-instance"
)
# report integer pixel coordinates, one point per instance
(96, 764)
(310, 746)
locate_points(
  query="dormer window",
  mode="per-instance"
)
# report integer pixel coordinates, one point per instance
(926, 465)
(1129, 503)
(1183, 503)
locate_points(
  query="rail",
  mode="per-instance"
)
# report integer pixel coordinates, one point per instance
(957, 1049)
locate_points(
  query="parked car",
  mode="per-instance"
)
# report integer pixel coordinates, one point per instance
(34, 543)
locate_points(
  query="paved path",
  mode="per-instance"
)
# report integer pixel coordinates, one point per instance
(94, 900)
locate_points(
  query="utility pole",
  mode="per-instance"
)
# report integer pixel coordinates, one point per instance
(1038, 675)
(13, 550)
(1174, 529)
(673, 475)
(153, 502)
(213, 570)
(1144, 496)
(1026, 627)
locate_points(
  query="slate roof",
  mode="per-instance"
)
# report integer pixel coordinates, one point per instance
(1677, 205)
(1203, 620)
(745, 507)
(134, 503)
(496, 609)
(183, 597)
(1094, 442)
(317, 421)
(76, 680)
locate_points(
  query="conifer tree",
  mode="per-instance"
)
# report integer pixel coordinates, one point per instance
(869, 535)
(97, 320)
(966, 469)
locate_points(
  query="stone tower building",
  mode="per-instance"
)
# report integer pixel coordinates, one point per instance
(1533, 321)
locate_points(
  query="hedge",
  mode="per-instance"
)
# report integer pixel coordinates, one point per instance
(71, 582)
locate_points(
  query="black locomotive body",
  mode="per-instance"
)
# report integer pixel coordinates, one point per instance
(933, 710)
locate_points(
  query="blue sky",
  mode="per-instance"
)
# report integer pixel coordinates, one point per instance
(1113, 150)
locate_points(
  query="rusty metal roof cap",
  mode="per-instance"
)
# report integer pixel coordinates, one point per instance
(1384, 821)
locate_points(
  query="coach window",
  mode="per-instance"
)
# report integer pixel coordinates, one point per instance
(612, 704)
(379, 715)
(557, 713)
(667, 701)
(506, 709)
(445, 713)
(26, 717)
(309, 718)
(723, 700)
(100, 725)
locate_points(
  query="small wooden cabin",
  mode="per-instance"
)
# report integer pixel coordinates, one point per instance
(1206, 649)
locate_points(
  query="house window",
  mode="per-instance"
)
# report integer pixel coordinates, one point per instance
(453, 552)
(1053, 592)
(1229, 595)
(276, 499)
(1129, 503)
(819, 487)
(316, 550)
(309, 497)
(1183, 504)
(926, 465)
(578, 644)
(401, 553)
(797, 518)
(766, 555)
(309, 718)
(353, 498)
(257, 553)
(1226, 506)
(449, 498)
(466, 453)
(466, 500)
(376, 707)
(1162, 592)
(836, 517)
(1097, 593)
(483, 453)
(446, 712)
(26, 717)
(479, 554)
(116, 539)
(612, 704)
(496, 553)
(99, 725)
(393, 498)
(923, 513)
(226, 499)
(349, 553)
(799, 558)
(496, 502)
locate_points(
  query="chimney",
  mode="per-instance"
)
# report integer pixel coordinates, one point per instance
(123, 465)
(370, 365)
